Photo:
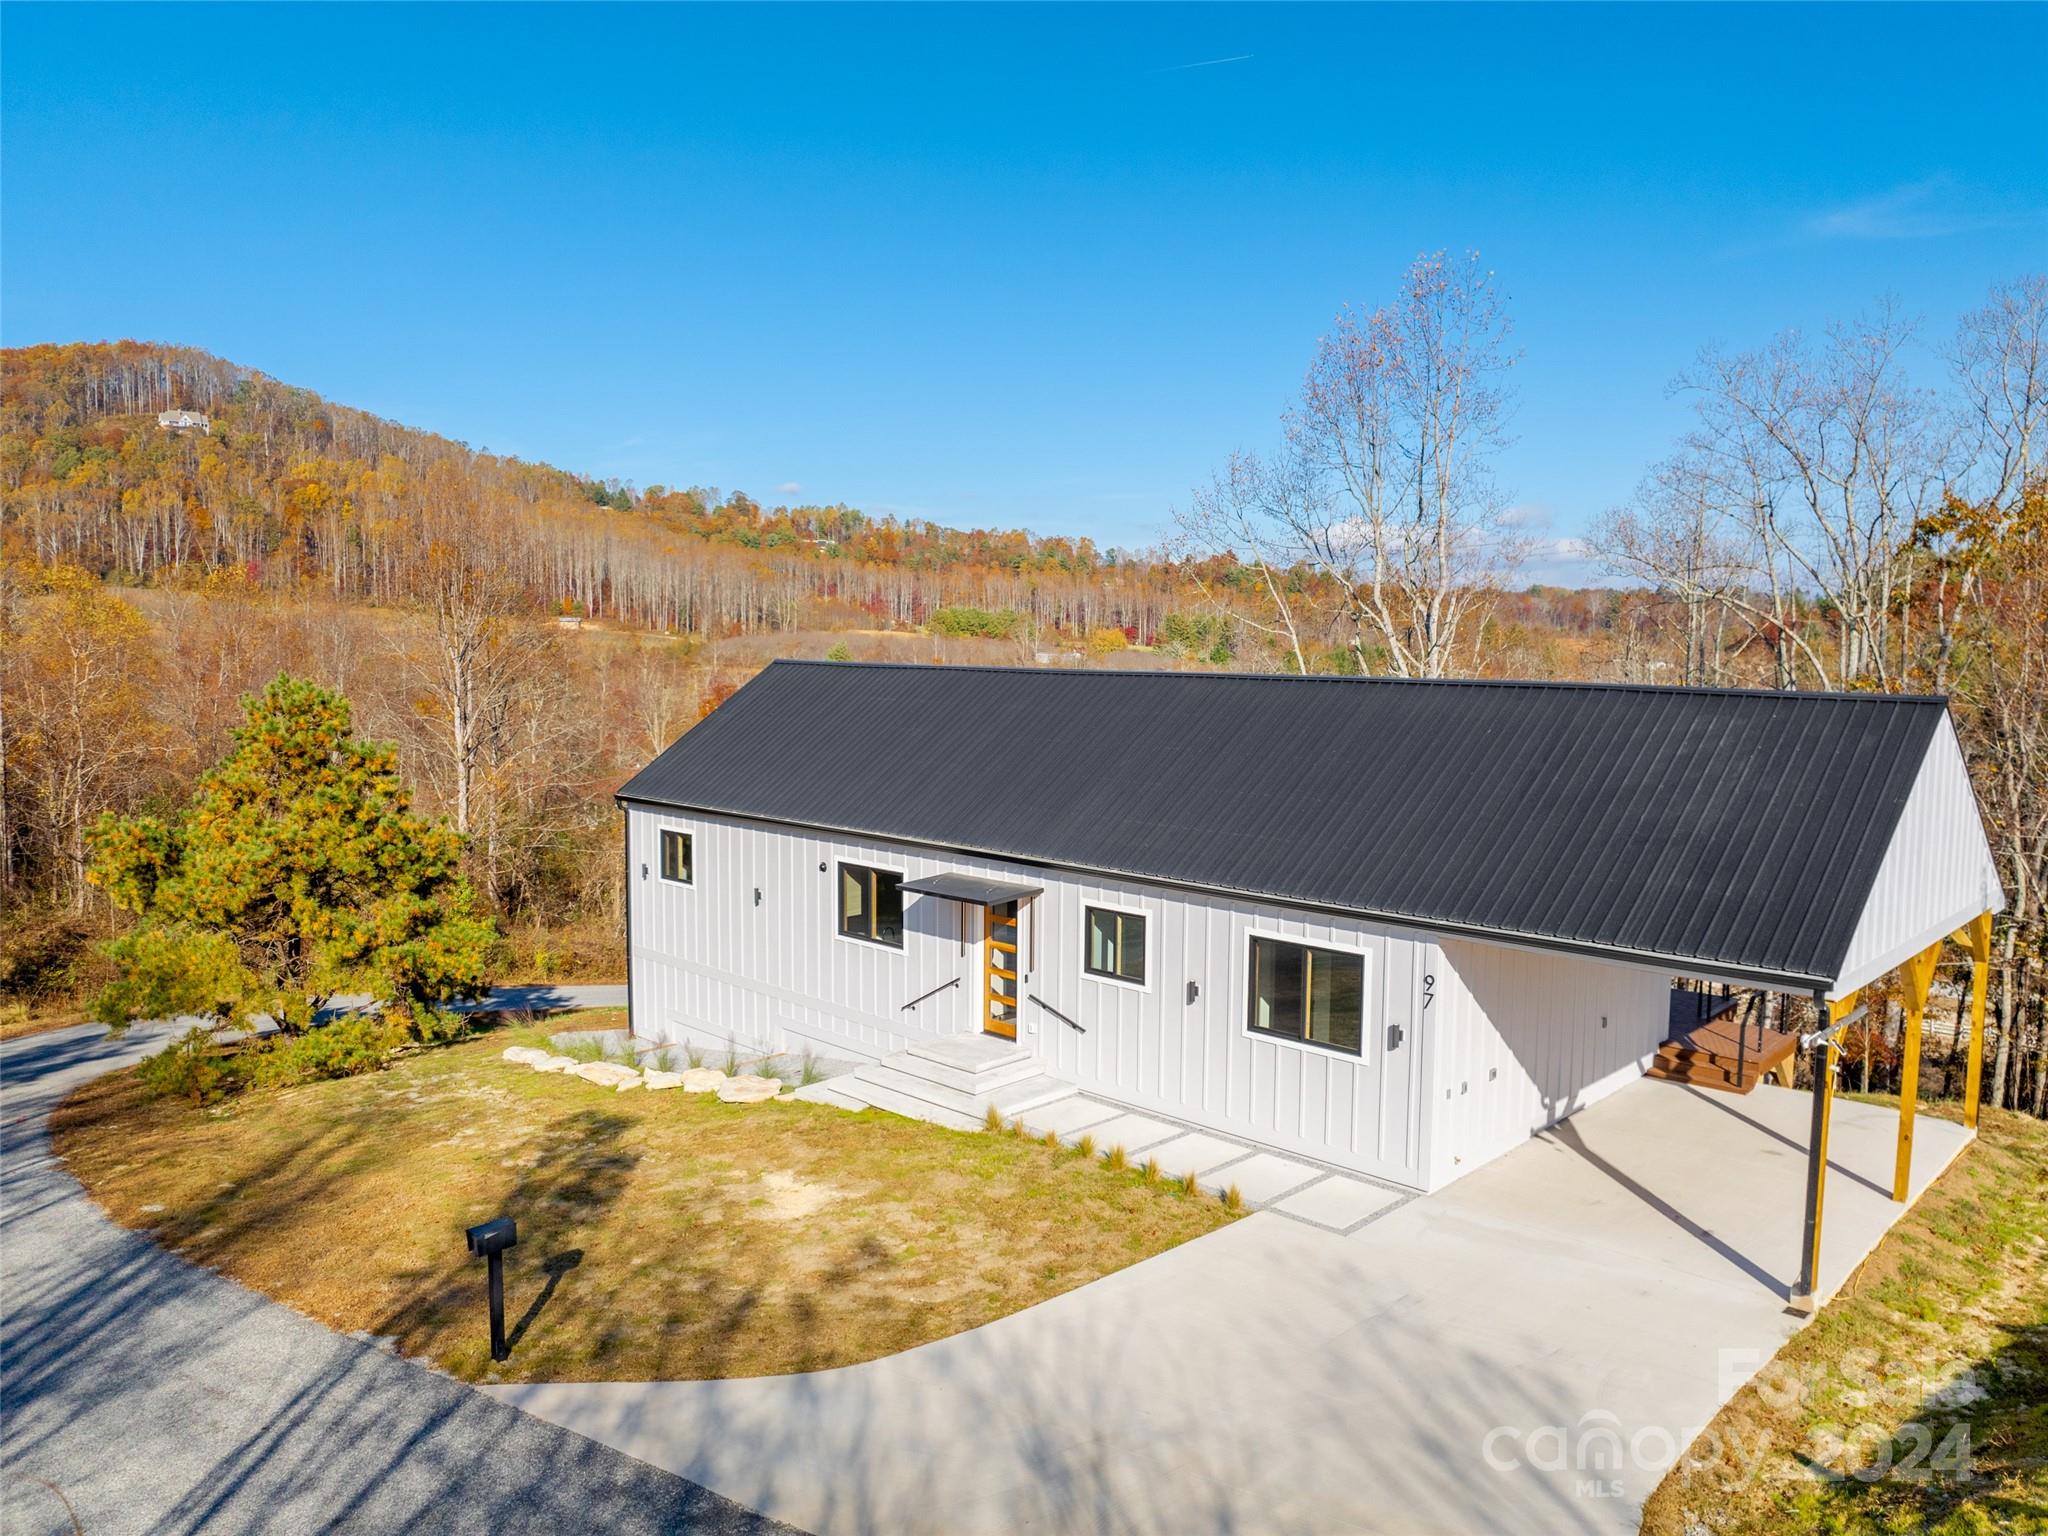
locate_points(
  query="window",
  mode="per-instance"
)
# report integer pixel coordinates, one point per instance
(871, 904)
(675, 857)
(1116, 945)
(1312, 995)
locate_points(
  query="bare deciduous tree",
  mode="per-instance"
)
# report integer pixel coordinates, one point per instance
(1402, 409)
(1679, 538)
(1252, 512)
(1383, 487)
(1831, 458)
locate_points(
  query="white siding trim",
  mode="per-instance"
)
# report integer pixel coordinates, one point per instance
(1938, 871)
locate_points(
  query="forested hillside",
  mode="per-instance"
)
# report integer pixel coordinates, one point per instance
(298, 492)
(528, 636)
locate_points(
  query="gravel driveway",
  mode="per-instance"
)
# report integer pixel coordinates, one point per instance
(138, 1393)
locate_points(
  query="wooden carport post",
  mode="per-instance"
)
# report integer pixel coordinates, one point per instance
(1977, 937)
(1918, 974)
(1804, 1298)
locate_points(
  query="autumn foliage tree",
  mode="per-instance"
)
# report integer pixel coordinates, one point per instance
(297, 869)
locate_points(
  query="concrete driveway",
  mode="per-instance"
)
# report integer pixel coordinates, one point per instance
(138, 1393)
(1524, 1352)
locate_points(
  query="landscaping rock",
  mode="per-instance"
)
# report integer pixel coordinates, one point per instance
(702, 1079)
(555, 1064)
(657, 1080)
(525, 1055)
(606, 1074)
(747, 1089)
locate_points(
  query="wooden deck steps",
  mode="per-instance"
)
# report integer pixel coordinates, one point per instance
(1709, 1054)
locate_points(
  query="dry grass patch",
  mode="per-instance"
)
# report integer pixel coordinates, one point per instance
(1918, 1399)
(661, 1236)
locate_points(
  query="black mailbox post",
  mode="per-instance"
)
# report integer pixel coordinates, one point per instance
(489, 1241)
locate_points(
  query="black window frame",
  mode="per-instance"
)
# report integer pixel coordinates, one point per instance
(1122, 915)
(1251, 1013)
(689, 844)
(875, 873)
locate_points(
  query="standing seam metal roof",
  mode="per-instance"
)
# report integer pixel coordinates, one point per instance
(1737, 829)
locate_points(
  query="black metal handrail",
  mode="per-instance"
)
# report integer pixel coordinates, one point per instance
(935, 991)
(1048, 1007)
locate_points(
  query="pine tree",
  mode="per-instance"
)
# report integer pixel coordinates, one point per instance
(297, 870)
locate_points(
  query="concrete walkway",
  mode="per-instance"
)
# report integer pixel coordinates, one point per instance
(1456, 1365)
(138, 1393)
(1265, 1180)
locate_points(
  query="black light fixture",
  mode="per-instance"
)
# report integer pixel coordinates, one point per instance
(1194, 991)
(489, 1242)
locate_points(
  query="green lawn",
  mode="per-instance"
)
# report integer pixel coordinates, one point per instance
(662, 1236)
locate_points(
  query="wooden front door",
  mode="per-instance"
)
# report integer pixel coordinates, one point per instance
(999, 970)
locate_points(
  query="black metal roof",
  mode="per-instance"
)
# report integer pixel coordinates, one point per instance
(1737, 829)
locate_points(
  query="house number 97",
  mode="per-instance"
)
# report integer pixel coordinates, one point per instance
(1428, 992)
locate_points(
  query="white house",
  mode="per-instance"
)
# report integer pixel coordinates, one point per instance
(1394, 926)
(182, 421)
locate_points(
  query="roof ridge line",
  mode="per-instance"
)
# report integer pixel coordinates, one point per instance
(1561, 684)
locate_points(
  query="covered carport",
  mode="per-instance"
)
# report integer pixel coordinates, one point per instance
(1909, 875)
(1920, 880)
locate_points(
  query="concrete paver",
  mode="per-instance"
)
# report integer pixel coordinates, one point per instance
(1338, 1202)
(1134, 1133)
(1264, 1176)
(1196, 1153)
(1064, 1116)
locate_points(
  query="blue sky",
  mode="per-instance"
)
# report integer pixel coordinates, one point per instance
(993, 266)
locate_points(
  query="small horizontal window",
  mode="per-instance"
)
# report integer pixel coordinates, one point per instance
(1116, 944)
(871, 904)
(675, 857)
(1316, 996)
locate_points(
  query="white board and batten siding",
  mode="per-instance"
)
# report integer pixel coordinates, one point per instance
(1527, 1038)
(1937, 873)
(1515, 1037)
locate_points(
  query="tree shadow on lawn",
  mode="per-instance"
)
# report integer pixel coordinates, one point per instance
(1925, 1472)
(580, 1170)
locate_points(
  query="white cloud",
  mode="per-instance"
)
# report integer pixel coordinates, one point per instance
(1914, 210)
(788, 488)
(1560, 562)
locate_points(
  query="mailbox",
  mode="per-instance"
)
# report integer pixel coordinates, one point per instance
(488, 1241)
(493, 1237)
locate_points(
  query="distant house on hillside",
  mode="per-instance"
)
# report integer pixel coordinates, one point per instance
(181, 421)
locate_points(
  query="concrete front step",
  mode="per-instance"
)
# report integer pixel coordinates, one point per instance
(874, 1096)
(971, 1063)
(1009, 1099)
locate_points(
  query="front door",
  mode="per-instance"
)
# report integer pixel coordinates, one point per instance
(999, 970)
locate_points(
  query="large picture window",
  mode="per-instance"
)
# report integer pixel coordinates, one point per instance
(1316, 996)
(871, 904)
(1116, 944)
(675, 857)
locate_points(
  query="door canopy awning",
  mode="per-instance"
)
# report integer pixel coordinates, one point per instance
(972, 888)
